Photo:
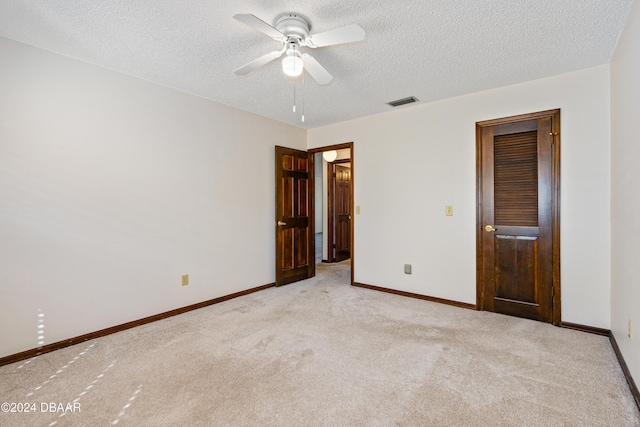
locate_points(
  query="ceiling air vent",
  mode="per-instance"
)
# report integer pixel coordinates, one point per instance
(403, 101)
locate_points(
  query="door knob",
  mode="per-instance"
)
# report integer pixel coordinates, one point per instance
(489, 228)
(280, 223)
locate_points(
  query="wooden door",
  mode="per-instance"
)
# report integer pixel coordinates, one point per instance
(295, 247)
(342, 213)
(518, 216)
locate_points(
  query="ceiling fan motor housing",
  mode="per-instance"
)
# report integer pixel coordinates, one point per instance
(293, 26)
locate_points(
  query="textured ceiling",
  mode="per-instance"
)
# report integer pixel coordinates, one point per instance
(431, 49)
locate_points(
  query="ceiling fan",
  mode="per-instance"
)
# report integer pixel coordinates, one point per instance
(292, 31)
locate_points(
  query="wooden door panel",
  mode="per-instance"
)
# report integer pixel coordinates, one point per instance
(303, 198)
(517, 308)
(288, 239)
(516, 268)
(342, 212)
(303, 243)
(517, 186)
(288, 162)
(303, 164)
(287, 197)
(293, 228)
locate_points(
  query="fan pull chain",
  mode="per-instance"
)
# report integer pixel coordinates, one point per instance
(294, 96)
(303, 73)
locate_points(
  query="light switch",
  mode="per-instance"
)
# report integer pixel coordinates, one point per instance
(358, 210)
(449, 210)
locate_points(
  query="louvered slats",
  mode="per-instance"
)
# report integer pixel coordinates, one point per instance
(516, 179)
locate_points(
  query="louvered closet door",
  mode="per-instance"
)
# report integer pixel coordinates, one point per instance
(516, 213)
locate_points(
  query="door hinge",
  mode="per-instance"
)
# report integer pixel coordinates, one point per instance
(553, 137)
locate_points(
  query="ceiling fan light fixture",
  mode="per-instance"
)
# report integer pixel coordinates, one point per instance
(292, 66)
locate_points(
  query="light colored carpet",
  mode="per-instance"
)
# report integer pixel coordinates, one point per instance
(323, 353)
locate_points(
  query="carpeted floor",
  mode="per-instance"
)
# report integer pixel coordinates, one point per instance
(323, 353)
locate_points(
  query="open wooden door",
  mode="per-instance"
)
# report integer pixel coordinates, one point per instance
(342, 178)
(518, 216)
(295, 248)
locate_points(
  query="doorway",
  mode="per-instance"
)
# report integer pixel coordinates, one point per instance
(296, 213)
(344, 158)
(518, 216)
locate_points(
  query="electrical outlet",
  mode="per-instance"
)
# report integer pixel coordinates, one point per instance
(448, 210)
(185, 279)
(407, 269)
(630, 329)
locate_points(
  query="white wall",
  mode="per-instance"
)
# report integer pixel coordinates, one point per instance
(415, 160)
(625, 196)
(112, 187)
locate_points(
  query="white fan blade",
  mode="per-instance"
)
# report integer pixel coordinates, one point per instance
(347, 34)
(258, 24)
(257, 63)
(316, 70)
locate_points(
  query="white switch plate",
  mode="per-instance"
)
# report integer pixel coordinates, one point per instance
(448, 210)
